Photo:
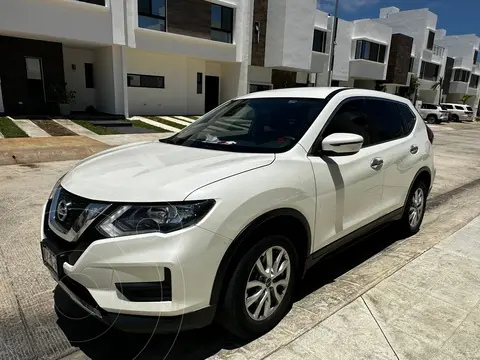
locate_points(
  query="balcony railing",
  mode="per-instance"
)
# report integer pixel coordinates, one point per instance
(438, 50)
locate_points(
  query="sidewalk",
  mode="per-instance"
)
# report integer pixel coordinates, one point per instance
(429, 309)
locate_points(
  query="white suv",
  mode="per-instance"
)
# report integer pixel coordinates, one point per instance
(458, 112)
(224, 218)
(433, 114)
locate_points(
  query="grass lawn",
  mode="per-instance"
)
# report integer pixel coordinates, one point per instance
(100, 130)
(9, 129)
(141, 124)
(53, 128)
(166, 122)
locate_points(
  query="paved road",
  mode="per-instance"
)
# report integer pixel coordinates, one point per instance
(340, 306)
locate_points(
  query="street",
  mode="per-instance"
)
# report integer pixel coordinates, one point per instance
(383, 298)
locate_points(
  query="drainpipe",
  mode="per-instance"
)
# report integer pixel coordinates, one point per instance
(332, 45)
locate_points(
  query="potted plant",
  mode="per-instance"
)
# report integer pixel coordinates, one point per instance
(64, 98)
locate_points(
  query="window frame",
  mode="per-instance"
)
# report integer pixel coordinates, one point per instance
(473, 76)
(146, 87)
(362, 54)
(152, 15)
(475, 57)
(232, 18)
(199, 83)
(323, 38)
(462, 73)
(423, 67)
(316, 148)
(411, 63)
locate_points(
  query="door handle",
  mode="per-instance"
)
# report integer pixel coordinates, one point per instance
(414, 149)
(376, 163)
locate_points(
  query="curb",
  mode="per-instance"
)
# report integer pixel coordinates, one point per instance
(35, 150)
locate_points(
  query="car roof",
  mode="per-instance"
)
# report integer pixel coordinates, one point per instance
(318, 93)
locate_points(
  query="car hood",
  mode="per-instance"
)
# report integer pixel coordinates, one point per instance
(155, 172)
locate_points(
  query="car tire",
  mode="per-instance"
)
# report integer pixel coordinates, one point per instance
(414, 209)
(234, 314)
(431, 119)
(455, 118)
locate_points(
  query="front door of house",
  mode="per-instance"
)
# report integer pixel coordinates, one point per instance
(35, 85)
(212, 92)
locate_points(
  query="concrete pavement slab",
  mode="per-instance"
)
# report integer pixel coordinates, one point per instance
(30, 128)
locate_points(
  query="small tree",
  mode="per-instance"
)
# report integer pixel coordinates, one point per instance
(465, 99)
(412, 88)
(438, 85)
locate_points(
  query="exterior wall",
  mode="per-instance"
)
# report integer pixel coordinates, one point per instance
(343, 49)
(110, 80)
(283, 79)
(454, 98)
(320, 60)
(60, 19)
(180, 20)
(399, 59)
(290, 36)
(259, 75)
(364, 84)
(260, 15)
(75, 79)
(458, 87)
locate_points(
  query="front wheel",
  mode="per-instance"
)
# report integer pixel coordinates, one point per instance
(431, 119)
(414, 210)
(259, 293)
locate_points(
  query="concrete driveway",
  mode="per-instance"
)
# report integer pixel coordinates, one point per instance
(384, 298)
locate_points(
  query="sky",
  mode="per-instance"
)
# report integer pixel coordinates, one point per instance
(456, 16)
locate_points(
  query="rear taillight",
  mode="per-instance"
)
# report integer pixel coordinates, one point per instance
(430, 134)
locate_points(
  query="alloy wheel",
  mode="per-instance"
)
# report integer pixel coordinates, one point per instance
(267, 283)
(416, 208)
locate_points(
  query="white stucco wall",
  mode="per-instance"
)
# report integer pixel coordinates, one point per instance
(60, 19)
(259, 75)
(289, 37)
(343, 49)
(110, 80)
(75, 79)
(461, 48)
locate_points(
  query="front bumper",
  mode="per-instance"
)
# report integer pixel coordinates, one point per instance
(183, 264)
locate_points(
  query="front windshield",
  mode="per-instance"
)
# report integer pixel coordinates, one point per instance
(259, 125)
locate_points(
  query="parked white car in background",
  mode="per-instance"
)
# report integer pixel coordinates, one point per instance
(223, 219)
(433, 114)
(458, 112)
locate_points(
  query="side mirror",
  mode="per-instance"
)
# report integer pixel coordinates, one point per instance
(342, 144)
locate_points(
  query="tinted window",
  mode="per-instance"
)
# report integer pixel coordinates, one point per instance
(409, 118)
(448, 106)
(350, 118)
(319, 41)
(431, 40)
(89, 76)
(459, 107)
(384, 121)
(257, 125)
(469, 108)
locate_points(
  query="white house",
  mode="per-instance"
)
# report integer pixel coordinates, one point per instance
(463, 70)
(429, 60)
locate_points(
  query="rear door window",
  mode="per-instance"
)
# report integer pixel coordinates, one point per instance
(408, 117)
(384, 121)
(469, 108)
(449, 107)
(459, 108)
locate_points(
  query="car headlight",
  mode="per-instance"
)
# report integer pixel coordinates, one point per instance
(55, 187)
(164, 218)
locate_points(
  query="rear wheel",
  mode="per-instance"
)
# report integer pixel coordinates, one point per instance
(431, 119)
(414, 210)
(259, 293)
(455, 118)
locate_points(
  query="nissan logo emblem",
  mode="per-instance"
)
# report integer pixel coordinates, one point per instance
(62, 210)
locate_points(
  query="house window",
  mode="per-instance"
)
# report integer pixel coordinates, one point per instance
(475, 57)
(474, 81)
(368, 50)
(431, 40)
(199, 83)
(221, 23)
(89, 76)
(259, 87)
(319, 41)
(146, 81)
(410, 66)
(461, 75)
(151, 14)
(429, 71)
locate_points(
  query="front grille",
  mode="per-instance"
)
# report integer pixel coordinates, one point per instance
(75, 206)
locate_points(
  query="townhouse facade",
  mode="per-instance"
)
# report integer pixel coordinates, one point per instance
(462, 72)
(151, 57)
(428, 60)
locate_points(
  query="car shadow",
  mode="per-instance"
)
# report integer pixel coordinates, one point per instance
(98, 341)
